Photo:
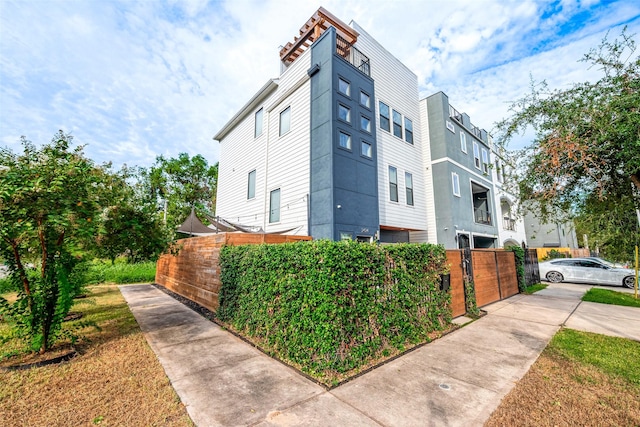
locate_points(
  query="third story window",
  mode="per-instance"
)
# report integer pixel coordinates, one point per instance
(345, 140)
(344, 86)
(408, 130)
(365, 99)
(408, 183)
(393, 184)
(384, 117)
(344, 113)
(476, 154)
(285, 121)
(365, 124)
(397, 124)
(485, 161)
(258, 127)
(251, 186)
(463, 142)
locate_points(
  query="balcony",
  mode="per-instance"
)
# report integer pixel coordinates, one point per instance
(353, 55)
(509, 224)
(455, 114)
(482, 217)
(481, 204)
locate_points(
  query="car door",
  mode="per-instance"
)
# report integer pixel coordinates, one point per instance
(594, 272)
(568, 268)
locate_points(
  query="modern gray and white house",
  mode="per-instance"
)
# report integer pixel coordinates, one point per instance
(340, 146)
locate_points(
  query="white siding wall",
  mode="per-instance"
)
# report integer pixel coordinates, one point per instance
(396, 86)
(428, 174)
(280, 161)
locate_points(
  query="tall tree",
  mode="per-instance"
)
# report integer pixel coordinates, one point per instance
(185, 183)
(48, 207)
(587, 144)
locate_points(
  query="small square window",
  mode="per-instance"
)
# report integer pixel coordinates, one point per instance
(365, 123)
(344, 87)
(345, 140)
(344, 113)
(366, 149)
(365, 99)
(285, 121)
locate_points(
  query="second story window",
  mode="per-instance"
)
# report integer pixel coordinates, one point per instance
(408, 183)
(285, 121)
(455, 183)
(251, 185)
(408, 130)
(274, 206)
(393, 184)
(258, 124)
(384, 117)
(397, 124)
(345, 140)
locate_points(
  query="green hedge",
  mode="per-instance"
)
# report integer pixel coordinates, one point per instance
(518, 253)
(334, 306)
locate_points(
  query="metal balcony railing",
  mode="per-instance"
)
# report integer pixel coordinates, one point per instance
(453, 113)
(353, 55)
(509, 224)
(482, 216)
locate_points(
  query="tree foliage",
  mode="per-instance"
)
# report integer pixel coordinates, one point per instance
(587, 145)
(49, 204)
(184, 183)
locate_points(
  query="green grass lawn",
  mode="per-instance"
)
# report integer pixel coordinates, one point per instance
(605, 296)
(534, 288)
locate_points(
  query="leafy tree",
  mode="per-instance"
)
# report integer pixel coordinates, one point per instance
(184, 183)
(587, 145)
(48, 208)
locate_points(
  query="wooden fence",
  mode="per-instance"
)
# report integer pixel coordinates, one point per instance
(194, 272)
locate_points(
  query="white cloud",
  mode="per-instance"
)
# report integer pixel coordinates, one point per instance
(136, 80)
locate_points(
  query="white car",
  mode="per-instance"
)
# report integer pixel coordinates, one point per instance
(584, 270)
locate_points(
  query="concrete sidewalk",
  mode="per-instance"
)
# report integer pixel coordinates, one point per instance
(458, 380)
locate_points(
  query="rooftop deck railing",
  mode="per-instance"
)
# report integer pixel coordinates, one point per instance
(353, 55)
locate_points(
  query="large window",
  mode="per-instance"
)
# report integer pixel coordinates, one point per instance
(463, 141)
(365, 124)
(397, 124)
(476, 154)
(344, 86)
(274, 206)
(408, 183)
(258, 126)
(251, 185)
(455, 182)
(366, 149)
(408, 130)
(393, 184)
(285, 121)
(384, 117)
(485, 161)
(344, 113)
(345, 140)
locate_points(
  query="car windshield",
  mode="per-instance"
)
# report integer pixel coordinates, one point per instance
(603, 261)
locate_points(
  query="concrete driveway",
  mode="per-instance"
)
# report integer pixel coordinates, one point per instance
(458, 380)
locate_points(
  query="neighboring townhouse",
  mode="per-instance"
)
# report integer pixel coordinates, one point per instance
(341, 147)
(546, 233)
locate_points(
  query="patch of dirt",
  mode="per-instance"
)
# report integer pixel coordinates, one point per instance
(559, 392)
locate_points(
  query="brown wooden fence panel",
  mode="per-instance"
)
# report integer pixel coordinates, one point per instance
(507, 274)
(485, 277)
(454, 258)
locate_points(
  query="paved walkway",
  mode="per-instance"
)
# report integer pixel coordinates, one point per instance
(458, 380)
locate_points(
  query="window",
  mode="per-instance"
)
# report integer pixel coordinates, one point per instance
(397, 124)
(455, 181)
(384, 116)
(258, 126)
(345, 140)
(345, 236)
(274, 206)
(463, 141)
(365, 99)
(476, 154)
(485, 161)
(498, 171)
(408, 183)
(366, 149)
(344, 87)
(285, 121)
(451, 127)
(393, 184)
(251, 186)
(408, 130)
(365, 124)
(344, 113)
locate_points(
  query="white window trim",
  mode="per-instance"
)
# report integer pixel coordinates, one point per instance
(463, 142)
(255, 183)
(455, 179)
(485, 161)
(280, 133)
(477, 161)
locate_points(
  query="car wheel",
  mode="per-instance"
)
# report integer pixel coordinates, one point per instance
(629, 282)
(554, 277)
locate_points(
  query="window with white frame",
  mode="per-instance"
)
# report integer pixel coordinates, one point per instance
(345, 140)
(463, 141)
(397, 124)
(285, 121)
(476, 154)
(455, 183)
(344, 86)
(393, 184)
(485, 161)
(408, 130)
(408, 184)
(365, 99)
(274, 206)
(251, 185)
(258, 124)
(365, 124)
(384, 116)
(499, 171)
(344, 113)
(366, 149)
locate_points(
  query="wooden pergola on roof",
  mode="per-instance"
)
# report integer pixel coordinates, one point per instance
(315, 26)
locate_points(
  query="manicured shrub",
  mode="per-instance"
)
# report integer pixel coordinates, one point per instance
(334, 306)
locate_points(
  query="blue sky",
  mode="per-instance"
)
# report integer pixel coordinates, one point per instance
(133, 80)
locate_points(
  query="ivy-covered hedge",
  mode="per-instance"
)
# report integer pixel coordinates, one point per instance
(334, 306)
(518, 253)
